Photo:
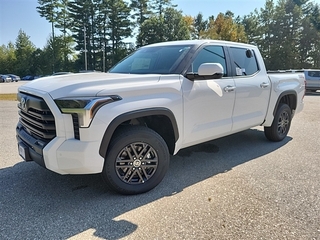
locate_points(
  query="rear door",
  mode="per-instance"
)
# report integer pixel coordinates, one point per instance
(252, 89)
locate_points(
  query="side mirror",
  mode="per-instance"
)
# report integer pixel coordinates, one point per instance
(210, 70)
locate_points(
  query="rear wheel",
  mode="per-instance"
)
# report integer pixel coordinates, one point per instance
(280, 125)
(137, 160)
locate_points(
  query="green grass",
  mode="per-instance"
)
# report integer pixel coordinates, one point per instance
(8, 97)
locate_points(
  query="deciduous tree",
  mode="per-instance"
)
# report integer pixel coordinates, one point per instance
(223, 27)
(169, 27)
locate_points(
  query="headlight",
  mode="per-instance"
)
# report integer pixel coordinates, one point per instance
(85, 107)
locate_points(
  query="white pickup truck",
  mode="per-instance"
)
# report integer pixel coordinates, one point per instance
(162, 98)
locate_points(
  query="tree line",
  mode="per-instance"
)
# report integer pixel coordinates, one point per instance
(93, 34)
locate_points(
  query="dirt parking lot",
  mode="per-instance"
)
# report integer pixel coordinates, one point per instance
(237, 187)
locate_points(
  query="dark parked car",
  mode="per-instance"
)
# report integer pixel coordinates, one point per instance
(5, 78)
(27, 78)
(14, 78)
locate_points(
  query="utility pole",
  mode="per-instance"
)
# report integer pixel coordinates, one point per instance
(53, 48)
(85, 49)
(103, 58)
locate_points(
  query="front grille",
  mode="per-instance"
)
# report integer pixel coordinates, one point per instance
(36, 117)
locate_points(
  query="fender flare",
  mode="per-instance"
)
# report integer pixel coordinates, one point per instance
(132, 115)
(289, 92)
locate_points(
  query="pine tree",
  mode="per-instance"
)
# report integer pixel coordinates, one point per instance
(24, 50)
(83, 14)
(200, 25)
(159, 6)
(119, 27)
(141, 13)
(48, 10)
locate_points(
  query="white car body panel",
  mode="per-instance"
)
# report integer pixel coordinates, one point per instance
(252, 99)
(203, 99)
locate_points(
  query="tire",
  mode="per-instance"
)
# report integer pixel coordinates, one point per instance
(280, 125)
(137, 160)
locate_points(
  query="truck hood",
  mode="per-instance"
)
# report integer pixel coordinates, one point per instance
(88, 84)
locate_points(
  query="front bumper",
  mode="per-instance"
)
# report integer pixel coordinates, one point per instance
(30, 148)
(60, 155)
(47, 137)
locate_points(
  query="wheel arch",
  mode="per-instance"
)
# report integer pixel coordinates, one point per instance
(144, 116)
(288, 97)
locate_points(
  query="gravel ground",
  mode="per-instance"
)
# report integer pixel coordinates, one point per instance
(237, 187)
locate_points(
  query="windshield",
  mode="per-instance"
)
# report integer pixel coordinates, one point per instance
(152, 60)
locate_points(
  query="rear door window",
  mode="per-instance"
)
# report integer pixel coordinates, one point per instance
(244, 61)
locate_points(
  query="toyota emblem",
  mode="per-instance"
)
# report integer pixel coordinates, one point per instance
(23, 104)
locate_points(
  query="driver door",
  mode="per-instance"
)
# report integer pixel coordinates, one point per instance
(208, 104)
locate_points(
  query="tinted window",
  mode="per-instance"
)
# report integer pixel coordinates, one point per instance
(162, 60)
(314, 74)
(245, 62)
(209, 54)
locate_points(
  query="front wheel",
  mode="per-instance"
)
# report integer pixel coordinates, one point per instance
(137, 160)
(280, 125)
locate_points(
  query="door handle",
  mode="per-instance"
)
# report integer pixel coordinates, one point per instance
(229, 88)
(264, 85)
